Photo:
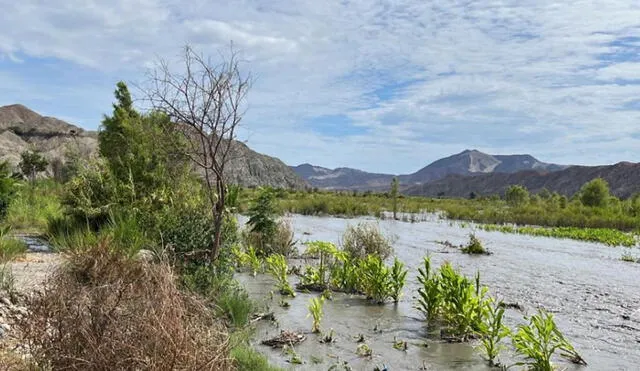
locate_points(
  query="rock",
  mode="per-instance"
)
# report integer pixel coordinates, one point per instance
(6, 301)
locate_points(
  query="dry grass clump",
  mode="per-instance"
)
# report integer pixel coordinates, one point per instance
(102, 311)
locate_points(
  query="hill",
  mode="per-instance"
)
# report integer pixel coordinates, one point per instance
(623, 179)
(22, 129)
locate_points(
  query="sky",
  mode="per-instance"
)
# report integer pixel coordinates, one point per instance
(383, 86)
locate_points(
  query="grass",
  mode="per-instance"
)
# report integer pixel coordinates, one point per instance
(33, 207)
(605, 236)
(554, 211)
(247, 358)
(315, 312)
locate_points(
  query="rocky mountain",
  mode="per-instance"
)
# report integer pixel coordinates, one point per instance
(474, 162)
(22, 129)
(623, 179)
(468, 162)
(341, 178)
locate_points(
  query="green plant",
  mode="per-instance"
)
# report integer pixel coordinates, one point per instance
(247, 358)
(398, 279)
(539, 340)
(364, 350)
(474, 246)
(318, 278)
(394, 197)
(365, 239)
(462, 303)
(7, 188)
(32, 163)
(516, 195)
(262, 214)
(429, 295)
(627, 256)
(234, 303)
(277, 266)
(10, 247)
(595, 193)
(493, 331)
(375, 279)
(315, 311)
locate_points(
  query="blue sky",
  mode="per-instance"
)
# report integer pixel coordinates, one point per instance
(384, 86)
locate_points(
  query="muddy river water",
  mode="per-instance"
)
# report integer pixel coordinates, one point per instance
(595, 298)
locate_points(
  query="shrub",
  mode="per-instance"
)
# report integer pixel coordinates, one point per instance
(366, 239)
(102, 311)
(279, 242)
(262, 214)
(474, 246)
(234, 303)
(247, 358)
(7, 188)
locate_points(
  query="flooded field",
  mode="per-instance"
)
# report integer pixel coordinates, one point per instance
(594, 296)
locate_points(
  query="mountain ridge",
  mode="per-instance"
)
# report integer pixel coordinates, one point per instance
(468, 162)
(23, 129)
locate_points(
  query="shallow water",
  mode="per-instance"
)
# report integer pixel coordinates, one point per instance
(585, 285)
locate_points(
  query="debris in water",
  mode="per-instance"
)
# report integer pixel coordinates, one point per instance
(286, 338)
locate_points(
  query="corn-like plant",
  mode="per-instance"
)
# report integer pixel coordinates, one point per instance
(462, 302)
(493, 331)
(277, 267)
(326, 252)
(253, 260)
(376, 279)
(315, 312)
(538, 341)
(429, 295)
(398, 279)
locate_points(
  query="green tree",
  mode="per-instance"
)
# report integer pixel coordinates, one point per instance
(516, 195)
(262, 216)
(32, 163)
(394, 196)
(595, 193)
(142, 151)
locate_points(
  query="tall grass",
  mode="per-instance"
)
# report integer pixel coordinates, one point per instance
(34, 205)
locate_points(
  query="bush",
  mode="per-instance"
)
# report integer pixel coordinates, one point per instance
(595, 193)
(246, 358)
(474, 246)
(365, 239)
(102, 311)
(10, 248)
(516, 195)
(279, 242)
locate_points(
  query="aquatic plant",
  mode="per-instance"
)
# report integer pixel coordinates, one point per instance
(462, 302)
(627, 256)
(376, 279)
(248, 258)
(364, 350)
(493, 331)
(398, 278)
(606, 236)
(429, 296)
(277, 267)
(315, 311)
(539, 340)
(474, 246)
(318, 278)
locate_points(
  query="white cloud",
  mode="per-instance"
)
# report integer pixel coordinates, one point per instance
(503, 76)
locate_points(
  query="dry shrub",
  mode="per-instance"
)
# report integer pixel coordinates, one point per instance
(366, 239)
(102, 311)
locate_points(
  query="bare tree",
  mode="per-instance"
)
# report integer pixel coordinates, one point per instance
(205, 103)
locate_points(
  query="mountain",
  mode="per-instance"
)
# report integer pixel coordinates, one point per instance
(468, 162)
(341, 178)
(474, 162)
(623, 179)
(22, 129)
